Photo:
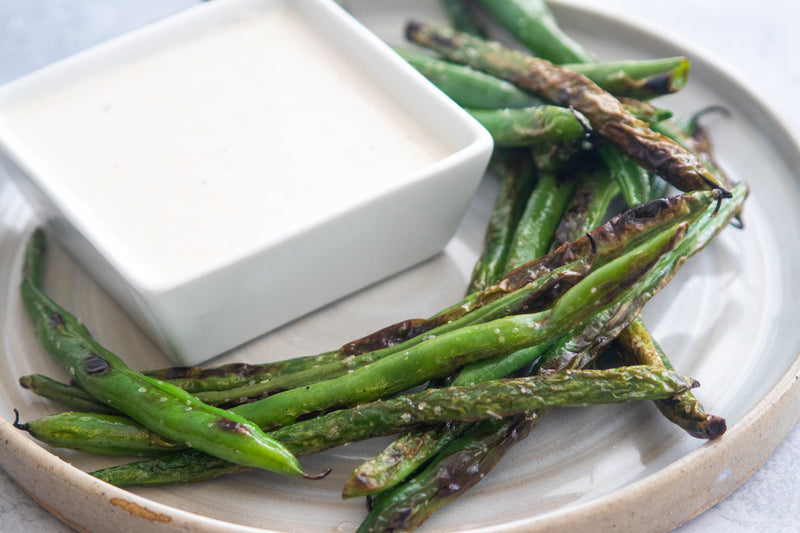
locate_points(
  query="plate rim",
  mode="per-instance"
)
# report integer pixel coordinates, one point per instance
(703, 467)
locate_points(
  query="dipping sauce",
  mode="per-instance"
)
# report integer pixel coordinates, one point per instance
(186, 153)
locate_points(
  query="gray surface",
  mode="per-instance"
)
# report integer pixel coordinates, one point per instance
(762, 45)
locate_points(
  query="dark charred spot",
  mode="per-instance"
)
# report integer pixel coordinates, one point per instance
(441, 40)
(715, 426)
(23, 427)
(719, 192)
(548, 294)
(660, 84)
(195, 372)
(416, 29)
(592, 242)
(650, 209)
(564, 97)
(310, 415)
(389, 336)
(56, 320)
(226, 424)
(95, 365)
(179, 372)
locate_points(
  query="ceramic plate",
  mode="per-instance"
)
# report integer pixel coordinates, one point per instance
(728, 319)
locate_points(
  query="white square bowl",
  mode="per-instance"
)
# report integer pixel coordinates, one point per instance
(265, 273)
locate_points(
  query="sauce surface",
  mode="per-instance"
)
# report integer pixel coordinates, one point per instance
(181, 156)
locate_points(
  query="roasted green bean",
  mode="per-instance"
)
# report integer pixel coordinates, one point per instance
(117, 435)
(606, 115)
(161, 407)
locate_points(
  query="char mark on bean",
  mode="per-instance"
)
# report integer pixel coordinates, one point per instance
(715, 426)
(388, 336)
(592, 242)
(95, 365)
(650, 209)
(56, 320)
(180, 372)
(659, 84)
(17, 424)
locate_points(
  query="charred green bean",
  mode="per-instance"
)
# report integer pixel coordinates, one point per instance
(161, 407)
(607, 116)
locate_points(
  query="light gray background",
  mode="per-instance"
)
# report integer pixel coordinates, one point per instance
(762, 43)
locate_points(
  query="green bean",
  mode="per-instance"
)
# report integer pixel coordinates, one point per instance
(478, 450)
(606, 115)
(516, 174)
(468, 87)
(98, 433)
(495, 399)
(118, 435)
(491, 399)
(161, 407)
(644, 110)
(196, 379)
(594, 192)
(530, 125)
(545, 206)
(474, 89)
(182, 467)
(636, 344)
(534, 25)
(70, 396)
(640, 79)
(635, 182)
(413, 450)
(673, 131)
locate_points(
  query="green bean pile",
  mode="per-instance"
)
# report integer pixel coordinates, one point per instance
(550, 317)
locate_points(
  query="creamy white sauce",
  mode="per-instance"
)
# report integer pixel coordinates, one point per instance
(207, 146)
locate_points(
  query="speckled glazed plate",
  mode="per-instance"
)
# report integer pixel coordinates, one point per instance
(728, 319)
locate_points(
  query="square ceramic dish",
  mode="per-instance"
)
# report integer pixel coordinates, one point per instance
(237, 165)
